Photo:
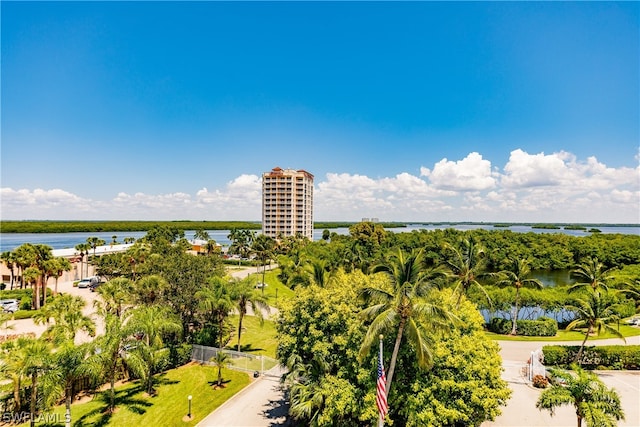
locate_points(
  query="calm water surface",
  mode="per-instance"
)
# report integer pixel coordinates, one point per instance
(10, 241)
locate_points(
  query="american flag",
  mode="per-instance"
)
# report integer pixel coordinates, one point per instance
(381, 394)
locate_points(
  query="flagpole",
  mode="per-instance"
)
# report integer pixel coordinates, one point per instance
(380, 417)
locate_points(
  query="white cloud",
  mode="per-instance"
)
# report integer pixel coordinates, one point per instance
(469, 174)
(540, 187)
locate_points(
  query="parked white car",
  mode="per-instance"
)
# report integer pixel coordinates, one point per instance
(9, 305)
(88, 282)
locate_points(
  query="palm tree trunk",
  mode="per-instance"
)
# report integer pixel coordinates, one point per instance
(34, 391)
(394, 356)
(514, 328)
(240, 328)
(67, 404)
(112, 392)
(579, 421)
(586, 337)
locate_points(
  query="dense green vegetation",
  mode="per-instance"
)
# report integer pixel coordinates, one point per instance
(422, 291)
(118, 226)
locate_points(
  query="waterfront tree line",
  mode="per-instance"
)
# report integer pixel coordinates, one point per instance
(420, 291)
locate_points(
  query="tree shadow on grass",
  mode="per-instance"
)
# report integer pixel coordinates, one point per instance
(214, 383)
(123, 399)
(248, 348)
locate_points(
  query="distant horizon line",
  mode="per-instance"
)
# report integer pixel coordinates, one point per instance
(612, 224)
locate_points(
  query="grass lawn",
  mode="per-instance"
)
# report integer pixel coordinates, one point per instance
(275, 289)
(167, 408)
(256, 339)
(562, 335)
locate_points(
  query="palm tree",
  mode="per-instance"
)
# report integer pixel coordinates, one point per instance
(149, 289)
(306, 387)
(211, 246)
(150, 324)
(113, 296)
(12, 367)
(244, 295)
(517, 277)
(595, 312)
(220, 360)
(9, 259)
(591, 274)
(37, 359)
(216, 301)
(201, 235)
(69, 366)
(59, 266)
(403, 308)
(264, 246)
(593, 401)
(66, 313)
(93, 243)
(83, 250)
(466, 265)
(112, 355)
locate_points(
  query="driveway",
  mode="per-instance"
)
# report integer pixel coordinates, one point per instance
(521, 408)
(260, 404)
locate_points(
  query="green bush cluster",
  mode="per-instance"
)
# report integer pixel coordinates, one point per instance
(542, 327)
(600, 357)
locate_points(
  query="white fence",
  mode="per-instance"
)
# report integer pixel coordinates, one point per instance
(235, 359)
(536, 366)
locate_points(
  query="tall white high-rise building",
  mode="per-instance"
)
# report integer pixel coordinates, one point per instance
(287, 203)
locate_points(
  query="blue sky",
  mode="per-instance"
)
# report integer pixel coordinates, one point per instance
(417, 111)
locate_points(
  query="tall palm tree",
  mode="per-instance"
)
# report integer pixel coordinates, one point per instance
(466, 264)
(69, 366)
(591, 274)
(244, 295)
(83, 250)
(60, 265)
(13, 356)
(9, 259)
(111, 358)
(597, 405)
(151, 323)
(215, 300)
(264, 247)
(595, 312)
(93, 243)
(403, 308)
(37, 359)
(517, 277)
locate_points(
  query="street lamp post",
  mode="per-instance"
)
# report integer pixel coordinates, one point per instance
(189, 398)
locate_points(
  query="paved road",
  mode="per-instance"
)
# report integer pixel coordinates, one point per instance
(260, 404)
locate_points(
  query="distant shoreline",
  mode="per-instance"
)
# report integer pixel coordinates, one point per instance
(29, 226)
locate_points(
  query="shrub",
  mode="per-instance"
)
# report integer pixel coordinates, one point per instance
(540, 381)
(179, 355)
(607, 357)
(25, 303)
(23, 314)
(542, 327)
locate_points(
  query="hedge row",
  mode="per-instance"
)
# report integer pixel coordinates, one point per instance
(600, 357)
(542, 327)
